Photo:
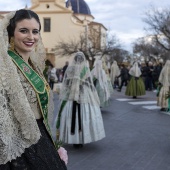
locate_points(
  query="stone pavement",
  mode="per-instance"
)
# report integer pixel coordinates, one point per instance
(136, 138)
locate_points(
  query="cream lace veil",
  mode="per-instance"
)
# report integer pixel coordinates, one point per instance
(77, 83)
(99, 73)
(18, 127)
(135, 70)
(164, 77)
(115, 71)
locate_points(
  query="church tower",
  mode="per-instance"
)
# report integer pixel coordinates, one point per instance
(59, 2)
(34, 2)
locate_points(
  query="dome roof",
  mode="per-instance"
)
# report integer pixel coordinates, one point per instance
(79, 6)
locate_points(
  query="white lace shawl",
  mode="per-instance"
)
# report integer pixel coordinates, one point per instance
(18, 127)
(135, 70)
(164, 77)
(101, 76)
(105, 68)
(98, 73)
(75, 88)
(115, 71)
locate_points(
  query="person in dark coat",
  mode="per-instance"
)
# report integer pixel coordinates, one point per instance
(124, 77)
(65, 67)
(147, 70)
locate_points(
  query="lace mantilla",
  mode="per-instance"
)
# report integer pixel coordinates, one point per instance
(164, 77)
(99, 74)
(77, 83)
(135, 70)
(18, 126)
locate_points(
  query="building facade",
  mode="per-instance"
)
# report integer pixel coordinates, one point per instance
(62, 21)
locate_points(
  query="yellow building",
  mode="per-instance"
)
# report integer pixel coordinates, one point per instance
(62, 21)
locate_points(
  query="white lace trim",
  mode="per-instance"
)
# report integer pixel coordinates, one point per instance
(18, 127)
(135, 70)
(164, 77)
(76, 87)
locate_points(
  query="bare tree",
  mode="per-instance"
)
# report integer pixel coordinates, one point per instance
(148, 48)
(158, 21)
(91, 48)
(119, 55)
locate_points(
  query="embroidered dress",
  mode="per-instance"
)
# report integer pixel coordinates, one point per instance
(106, 70)
(25, 109)
(43, 154)
(115, 71)
(136, 85)
(79, 119)
(100, 81)
(164, 79)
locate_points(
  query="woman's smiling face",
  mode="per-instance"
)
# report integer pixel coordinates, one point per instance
(26, 36)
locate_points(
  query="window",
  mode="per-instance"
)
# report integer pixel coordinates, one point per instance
(47, 24)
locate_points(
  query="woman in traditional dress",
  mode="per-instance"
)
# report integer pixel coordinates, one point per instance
(25, 137)
(100, 81)
(164, 79)
(79, 118)
(115, 71)
(105, 68)
(135, 86)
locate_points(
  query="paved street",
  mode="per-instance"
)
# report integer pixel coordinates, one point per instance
(137, 137)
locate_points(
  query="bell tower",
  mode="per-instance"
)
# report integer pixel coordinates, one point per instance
(59, 2)
(34, 2)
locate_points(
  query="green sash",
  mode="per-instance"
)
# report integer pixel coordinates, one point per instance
(37, 83)
(82, 74)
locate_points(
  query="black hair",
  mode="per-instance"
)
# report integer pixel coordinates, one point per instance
(19, 16)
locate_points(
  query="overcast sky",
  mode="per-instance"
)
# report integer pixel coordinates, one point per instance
(122, 18)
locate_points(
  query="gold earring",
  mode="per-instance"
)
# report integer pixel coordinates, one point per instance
(11, 44)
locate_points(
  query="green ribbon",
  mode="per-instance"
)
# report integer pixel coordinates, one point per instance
(35, 80)
(82, 74)
(37, 83)
(59, 113)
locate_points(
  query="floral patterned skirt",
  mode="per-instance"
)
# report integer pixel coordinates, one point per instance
(40, 156)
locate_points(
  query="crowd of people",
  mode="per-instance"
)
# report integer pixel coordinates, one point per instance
(82, 95)
(140, 78)
(137, 78)
(55, 75)
(26, 109)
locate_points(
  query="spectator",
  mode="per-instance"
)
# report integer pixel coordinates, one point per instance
(52, 77)
(65, 67)
(124, 77)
